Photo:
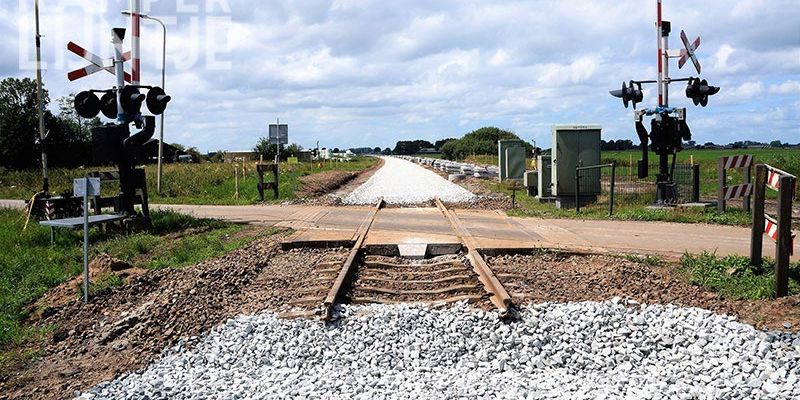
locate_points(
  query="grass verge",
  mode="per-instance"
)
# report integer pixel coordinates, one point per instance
(29, 266)
(207, 183)
(530, 207)
(733, 277)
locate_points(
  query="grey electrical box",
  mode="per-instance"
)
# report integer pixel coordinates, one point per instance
(545, 166)
(503, 163)
(574, 145)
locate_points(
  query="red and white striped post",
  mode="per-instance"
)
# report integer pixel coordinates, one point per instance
(660, 32)
(135, 46)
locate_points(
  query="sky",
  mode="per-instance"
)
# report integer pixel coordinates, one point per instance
(360, 73)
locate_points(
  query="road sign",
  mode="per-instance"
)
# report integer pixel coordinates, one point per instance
(278, 134)
(97, 63)
(688, 52)
(90, 187)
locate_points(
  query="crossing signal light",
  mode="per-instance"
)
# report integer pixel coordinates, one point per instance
(108, 105)
(131, 100)
(699, 90)
(157, 100)
(87, 105)
(630, 93)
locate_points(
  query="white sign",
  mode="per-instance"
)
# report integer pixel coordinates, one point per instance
(79, 187)
(278, 134)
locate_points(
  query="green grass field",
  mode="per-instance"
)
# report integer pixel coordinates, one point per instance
(205, 183)
(29, 266)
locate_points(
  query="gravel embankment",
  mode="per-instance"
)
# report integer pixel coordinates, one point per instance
(403, 182)
(571, 351)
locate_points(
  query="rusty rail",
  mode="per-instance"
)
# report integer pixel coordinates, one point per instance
(338, 285)
(498, 294)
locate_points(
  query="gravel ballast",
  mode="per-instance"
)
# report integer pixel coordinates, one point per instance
(571, 351)
(403, 182)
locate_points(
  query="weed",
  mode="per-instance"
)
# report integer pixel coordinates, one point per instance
(650, 260)
(732, 276)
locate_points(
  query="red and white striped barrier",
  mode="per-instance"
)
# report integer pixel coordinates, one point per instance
(742, 162)
(735, 192)
(738, 161)
(771, 230)
(774, 177)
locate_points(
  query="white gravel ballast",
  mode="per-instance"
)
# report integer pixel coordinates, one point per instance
(403, 182)
(556, 351)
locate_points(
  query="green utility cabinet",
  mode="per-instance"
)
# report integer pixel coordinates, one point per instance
(575, 145)
(511, 159)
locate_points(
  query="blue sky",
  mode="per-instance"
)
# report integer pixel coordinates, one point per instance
(368, 73)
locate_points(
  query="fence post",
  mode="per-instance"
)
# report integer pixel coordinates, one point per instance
(746, 175)
(695, 183)
(577, 191)
(721, 178)
(757, 234)
(783, 246)
(613, 179)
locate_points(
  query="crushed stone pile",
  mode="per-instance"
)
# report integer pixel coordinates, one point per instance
(403, 182)
(586, 350)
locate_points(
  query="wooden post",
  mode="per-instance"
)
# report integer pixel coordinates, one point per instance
(721, 178)
(236, 180)
(696, 183)
(783, 246)
(757, 234)
(260, 173)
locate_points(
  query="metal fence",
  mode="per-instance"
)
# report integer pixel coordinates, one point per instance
(620, 184)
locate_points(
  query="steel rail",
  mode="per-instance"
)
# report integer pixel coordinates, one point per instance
(498, 294)
(335, 292)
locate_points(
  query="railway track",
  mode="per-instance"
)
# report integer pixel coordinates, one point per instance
(361, 279)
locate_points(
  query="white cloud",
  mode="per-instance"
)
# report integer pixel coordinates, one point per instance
(788, 87)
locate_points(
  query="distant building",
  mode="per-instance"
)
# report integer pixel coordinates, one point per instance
(231, 156)
(428, 150)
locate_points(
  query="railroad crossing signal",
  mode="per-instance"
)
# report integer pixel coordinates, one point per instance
(688, 52)
(699, 90)
(88, 105)
(97, 63)
(629, 94)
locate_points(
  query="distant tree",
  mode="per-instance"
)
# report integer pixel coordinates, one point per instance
(708, 144)
(376, 150)
(775, 143)
(477, 142)
(217, 157)
(264, 148)
(293, 149)
(387, 151)
(19, 123)
(408, 147)
(439, 143)
(336, 150)
(197, 157)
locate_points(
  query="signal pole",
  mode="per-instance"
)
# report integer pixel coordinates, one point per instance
(40, 104)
